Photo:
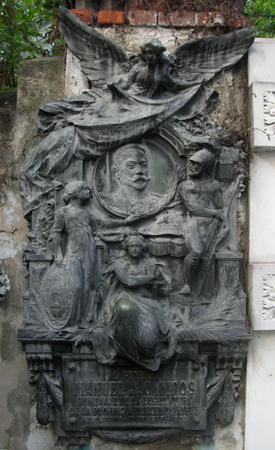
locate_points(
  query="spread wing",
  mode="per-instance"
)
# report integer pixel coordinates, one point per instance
(201, 59)
(101, 58)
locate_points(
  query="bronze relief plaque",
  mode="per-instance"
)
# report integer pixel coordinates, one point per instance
(128, 397)
(134, 320)
(136, 179)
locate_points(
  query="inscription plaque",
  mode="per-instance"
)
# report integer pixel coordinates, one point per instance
(102, 397)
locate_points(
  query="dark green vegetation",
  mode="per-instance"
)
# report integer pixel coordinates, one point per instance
(28, 29)
(261, 14)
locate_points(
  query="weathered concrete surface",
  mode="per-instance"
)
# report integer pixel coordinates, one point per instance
(39, 82)
(37, 85)
(260, 405)
(261, 64)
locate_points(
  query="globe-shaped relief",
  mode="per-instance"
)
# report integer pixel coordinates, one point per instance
(137, 179)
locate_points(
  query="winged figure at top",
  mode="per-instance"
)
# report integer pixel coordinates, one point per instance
(151, 73)
(129, 97)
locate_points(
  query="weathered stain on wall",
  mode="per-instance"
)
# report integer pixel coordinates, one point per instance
(37, 85)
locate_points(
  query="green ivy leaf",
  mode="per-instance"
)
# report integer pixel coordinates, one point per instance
(26, 54)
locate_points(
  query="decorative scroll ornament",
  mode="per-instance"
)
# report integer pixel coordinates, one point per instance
(269, 112)
(269, 297)
(135, 301)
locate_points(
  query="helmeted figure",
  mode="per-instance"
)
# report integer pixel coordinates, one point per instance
(202, 198)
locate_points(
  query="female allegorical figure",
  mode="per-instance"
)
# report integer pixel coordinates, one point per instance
(135, 311)
(79, 254)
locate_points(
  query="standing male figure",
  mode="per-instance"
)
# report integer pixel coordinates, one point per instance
(202, 197)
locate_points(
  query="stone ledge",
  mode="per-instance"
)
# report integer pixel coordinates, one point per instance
(33, 82)
(261, 61)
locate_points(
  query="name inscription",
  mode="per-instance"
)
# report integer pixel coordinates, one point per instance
(105, 397)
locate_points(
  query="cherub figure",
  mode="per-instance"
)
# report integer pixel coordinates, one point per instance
(192, 63)
(153, 75)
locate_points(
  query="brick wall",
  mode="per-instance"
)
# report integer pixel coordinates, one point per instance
(158, 13)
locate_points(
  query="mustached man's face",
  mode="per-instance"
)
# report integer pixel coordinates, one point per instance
(133, 170)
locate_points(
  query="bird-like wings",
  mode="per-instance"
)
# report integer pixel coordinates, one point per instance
(101, 58)
(199, 60)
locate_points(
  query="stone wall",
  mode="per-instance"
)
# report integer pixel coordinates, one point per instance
(162, 13)
(261, 368)
(39, 82)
